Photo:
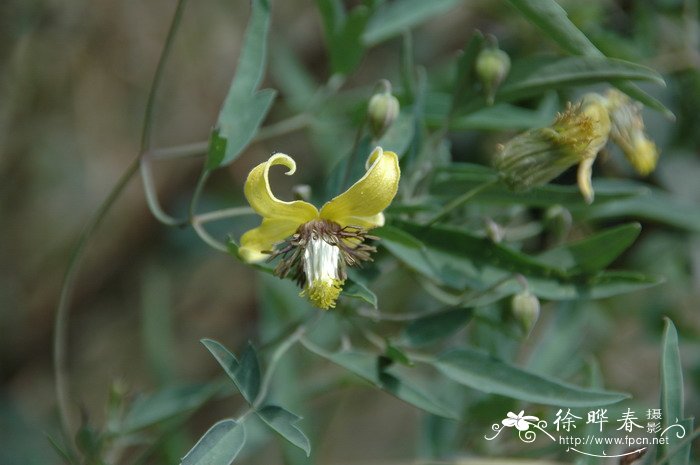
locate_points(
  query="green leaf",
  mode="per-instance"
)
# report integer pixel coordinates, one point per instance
(454, 258)
(651, 204)
(248, 374)
(244, 108)
(436, 326)
(485, 373)
(357, 290)
(284, 423)
(460, 177)
(394, 354)
(532, 78)
(593, 253)
(398, 136)
(245, 374)
(164, 404)
(367, 366)
(343, 34)
(553, 20)
(393, 18)
(219, 446)
(672, 395)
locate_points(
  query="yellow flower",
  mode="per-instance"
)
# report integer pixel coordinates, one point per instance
(628, 132)
(535, 157)
(316, 246)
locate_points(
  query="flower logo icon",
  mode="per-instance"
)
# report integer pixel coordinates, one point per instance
(520, 421)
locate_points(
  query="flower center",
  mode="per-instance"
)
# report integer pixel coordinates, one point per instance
(316, 256)
(321, 264)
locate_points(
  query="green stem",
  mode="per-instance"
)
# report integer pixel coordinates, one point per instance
(461, 200)
(146, 174)
(60, 341)
(62, 311)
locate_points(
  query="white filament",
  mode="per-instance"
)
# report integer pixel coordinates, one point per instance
(321, 261)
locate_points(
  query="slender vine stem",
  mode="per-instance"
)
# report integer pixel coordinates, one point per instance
(461, 200)
(60, 338)
(60, 348)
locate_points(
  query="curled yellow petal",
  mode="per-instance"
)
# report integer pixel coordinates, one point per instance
(585, 171)
(262, 200)
(257, 241)
(362, 204)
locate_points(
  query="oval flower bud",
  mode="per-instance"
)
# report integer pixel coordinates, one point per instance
(492, 67)
(382, 110)
(526, 310)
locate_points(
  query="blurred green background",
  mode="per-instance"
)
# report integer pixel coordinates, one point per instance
(74, 77)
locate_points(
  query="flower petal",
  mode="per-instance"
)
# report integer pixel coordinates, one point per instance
(263, 201)
(264, 237)
(509, 422)
(361, 205)
(585, 171)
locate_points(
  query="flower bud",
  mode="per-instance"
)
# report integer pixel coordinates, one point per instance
(526, 310)
(382, 111)
(628, 132)
(535, 157)
(558, 220)
(492, 66)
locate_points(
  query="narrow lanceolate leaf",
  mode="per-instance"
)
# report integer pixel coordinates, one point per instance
(343, 33)
(553, 21)
(245, 107)
(284, 423)
(164, 404)
(395, 17)
(672, 397)
(219, 446)
(373, 369)
(536, 77)
(244, 374)
(248, 374)
(480, 371)
(436, 326)
(593, 253)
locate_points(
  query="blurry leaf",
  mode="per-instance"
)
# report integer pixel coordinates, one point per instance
(463, 261)
(245, 375)
(244, 108)
(219, 446)
(293, 79)
(502, 116)
(653, 205)
(392, 18)
(61, 451)
(553, 20)
(398, 137)
(343, 34)
(397, 355)
(459, 177)
(535, 78)
(485, 373)
(436, 326)
(465, 78)
(283, 422)
(164, 404)
(358, 290)
(595, 381)
(672, 396)
(366, 365)
(595, 252)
